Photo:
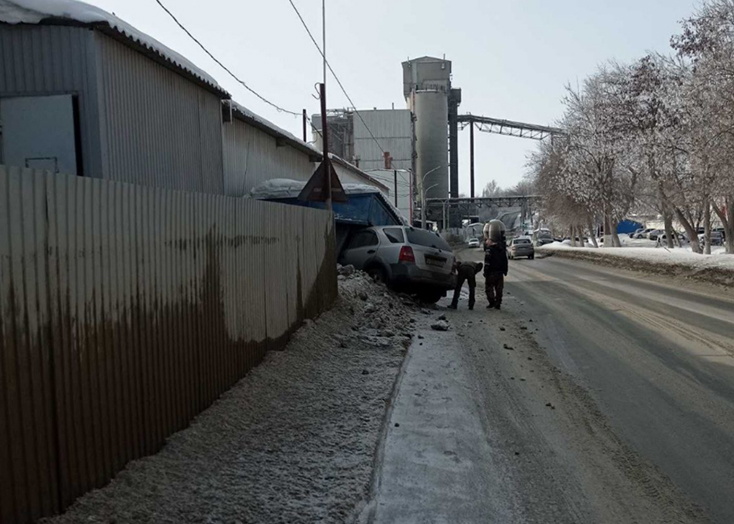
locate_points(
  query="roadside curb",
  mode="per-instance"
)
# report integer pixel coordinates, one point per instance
(365, 512)
(709, 275)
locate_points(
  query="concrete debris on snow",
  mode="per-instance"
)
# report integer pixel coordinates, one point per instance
(294, 441)
(440, 325)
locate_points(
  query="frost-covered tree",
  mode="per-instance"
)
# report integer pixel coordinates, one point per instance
(707, 43)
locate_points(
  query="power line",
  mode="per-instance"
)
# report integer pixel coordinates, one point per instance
(334, 74)
(280, 109)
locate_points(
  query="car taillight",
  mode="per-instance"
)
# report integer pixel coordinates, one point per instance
(406, 255)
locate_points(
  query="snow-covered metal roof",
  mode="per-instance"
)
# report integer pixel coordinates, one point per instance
(80, 13)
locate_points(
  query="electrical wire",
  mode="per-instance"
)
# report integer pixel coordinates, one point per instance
(321, 52)
(277, 107)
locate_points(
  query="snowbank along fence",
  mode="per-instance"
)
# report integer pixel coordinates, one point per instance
(127, 310)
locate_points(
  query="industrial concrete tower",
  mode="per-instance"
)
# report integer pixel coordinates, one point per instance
(428, 92)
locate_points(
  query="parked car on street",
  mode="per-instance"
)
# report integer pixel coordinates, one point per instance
(473, 242)
(662, 238)
(542, 237)
(717, 238)
(405, 258)
(655, 233)
(642, 233)
(521, 247)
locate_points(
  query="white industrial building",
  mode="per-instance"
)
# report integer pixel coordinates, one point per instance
(363, 138)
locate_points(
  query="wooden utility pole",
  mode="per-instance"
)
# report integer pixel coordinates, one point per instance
(305, 118)
(325, 140)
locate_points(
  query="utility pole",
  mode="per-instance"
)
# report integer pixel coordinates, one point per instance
(395, 172)
(471, 156)
(324, 130)
(325, 140)
(323, 30)
(305, 118)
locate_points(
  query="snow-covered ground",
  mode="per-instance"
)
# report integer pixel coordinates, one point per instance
(294, 441)
(717, 267)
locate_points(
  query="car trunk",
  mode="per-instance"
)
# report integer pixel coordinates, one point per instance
(432, 253)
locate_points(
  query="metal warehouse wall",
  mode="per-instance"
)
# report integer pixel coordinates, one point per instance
(53, 60)
(157, 127)
(252, 157)
(127, 310)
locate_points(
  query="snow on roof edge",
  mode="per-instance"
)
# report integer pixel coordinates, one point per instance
(250, 115)
(48, 11)
(339, 160)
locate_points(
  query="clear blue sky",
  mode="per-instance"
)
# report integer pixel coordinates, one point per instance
(512, 58)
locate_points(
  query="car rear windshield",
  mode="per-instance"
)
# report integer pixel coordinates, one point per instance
(421, 237)
(522, 241)
(394, 235)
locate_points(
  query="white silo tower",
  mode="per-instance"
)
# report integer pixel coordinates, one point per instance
(426, 86)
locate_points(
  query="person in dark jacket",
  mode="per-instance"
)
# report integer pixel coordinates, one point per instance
(465, 271)
(495, 271)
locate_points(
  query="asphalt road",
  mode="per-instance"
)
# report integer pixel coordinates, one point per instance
(595, 395)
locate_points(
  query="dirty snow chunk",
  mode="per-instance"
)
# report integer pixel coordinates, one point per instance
(440, 325)
(347, 270)
(292, 442)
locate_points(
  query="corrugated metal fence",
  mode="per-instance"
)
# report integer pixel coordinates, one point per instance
(127, 310)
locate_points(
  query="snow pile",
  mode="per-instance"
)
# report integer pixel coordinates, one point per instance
(36, 11)
(294, 441)
(717, 268)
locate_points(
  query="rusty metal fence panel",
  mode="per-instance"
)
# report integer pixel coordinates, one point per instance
(127, 310)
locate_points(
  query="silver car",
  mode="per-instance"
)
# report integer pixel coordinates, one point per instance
(406, 258)
(522, 247)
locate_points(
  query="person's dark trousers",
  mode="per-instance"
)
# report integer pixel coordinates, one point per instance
(494, 286)
(460, 278)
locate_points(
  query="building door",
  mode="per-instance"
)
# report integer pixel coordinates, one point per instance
(40, 132)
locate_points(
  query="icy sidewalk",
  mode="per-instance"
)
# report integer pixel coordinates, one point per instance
(716, 269)
(294, 441)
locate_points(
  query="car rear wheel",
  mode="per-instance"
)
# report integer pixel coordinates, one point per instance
(377, 274)
(430, 296)
(531, 257)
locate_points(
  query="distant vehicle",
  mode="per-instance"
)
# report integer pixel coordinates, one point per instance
(521, 247)
(655, 233)
(641, 233)
(473, 242)
(717, 238)
(663, 238)
(405, 258)
(723, 233)
(542, 237)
